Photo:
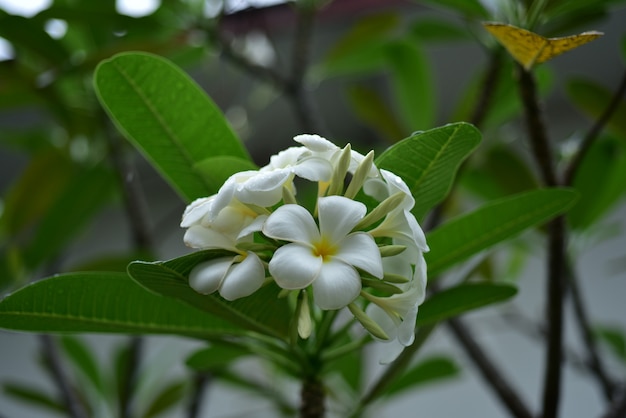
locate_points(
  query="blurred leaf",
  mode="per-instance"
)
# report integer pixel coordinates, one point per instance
(82, 357)
(166, 399)
(462, 298)
(471, 8)
(593, 99)
(262, 311)
(466, 235)
(216, 170)
(615, 339)
(103, 302)
(427, 371)
(437, 30)
(167, 116)
(214, 357)
(413, 83)
(600, 180)
(371, 109)
(109, 262)
(33, 396)
(362, 48)
(428, 161)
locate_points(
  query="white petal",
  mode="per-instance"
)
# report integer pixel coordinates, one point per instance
(206, 277)
(294, 266)
(360, 250)
(406, 330)
(314, 169)
(338, 215)
(337, 285)
(255, 225)
(390, 351)
(315, 142)
(195, 211)
(198, 236)
(292, 223)
(396, 184)
(244, 278)
(285, 158)
(382, 318)
(264, 189)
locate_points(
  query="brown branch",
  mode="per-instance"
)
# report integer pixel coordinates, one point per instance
(594, 131)
(312, 396)
(556, 245)
(492, 376)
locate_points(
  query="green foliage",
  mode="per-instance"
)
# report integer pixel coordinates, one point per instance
(427, 161)
(593, 99)
(166, 399)
(215, 357)
(167, 116)
(426, 372)
(492, 223)
(84, 361)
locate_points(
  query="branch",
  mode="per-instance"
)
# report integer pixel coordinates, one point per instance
(492, 376)
(618, 408)
(51, 352)
(572, 168)
(489, 85)
(556, 245)
(200, 381)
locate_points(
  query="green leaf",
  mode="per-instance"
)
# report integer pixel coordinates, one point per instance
(33, 396)
(472, 8)
(462, 298)
(167, 116)
(437, 30)
(370, 107)
(103, 302)
(216, 170)
(412, 83)
(427, 371)
(83, 359)
(362, 48)
(166, 399)
(600, 180)
(262, 311)
(593, 98)
(615, 338)
(468, 234)
(428, 161)
(215, 357)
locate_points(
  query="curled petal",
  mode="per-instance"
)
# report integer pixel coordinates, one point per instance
(360, 250)
(291, 223)
(206, 277)
(337, 285)
(338, 215)
(294, 266)
(243, 278)
(314, 169)
(198, 236)
(315, 143)
(254, 226)
(264, 188)
(285, 158)
(195, 211)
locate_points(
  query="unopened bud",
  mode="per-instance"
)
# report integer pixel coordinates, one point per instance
(380, 211)
(391, 250)
(367, 322)
(361, 173)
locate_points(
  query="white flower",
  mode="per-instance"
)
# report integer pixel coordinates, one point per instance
(234, 277)
(326, 257)
(210, 228)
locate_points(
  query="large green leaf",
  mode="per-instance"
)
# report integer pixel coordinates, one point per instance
(430, 370)
(428, 161)
(413, 83)
(462, 298)
(167, 116)
(104, 302)
(492, 223)
(262, 311)
(370, 107)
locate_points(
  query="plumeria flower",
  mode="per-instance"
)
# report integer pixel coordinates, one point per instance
(326, 257)
(233, 277)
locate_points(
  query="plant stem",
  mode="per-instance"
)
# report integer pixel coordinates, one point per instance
(556, 245)
(74, 408)
(489, 84)
(200, 381)
(492, 376)
(312, 395)
(618, 408)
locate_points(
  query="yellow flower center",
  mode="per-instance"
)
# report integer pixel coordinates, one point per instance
(324, 249)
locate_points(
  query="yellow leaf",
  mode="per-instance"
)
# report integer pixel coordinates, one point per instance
(529, 49)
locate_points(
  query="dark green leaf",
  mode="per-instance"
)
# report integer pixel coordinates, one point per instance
(262, 311)
(215, 357)
(216, 170)
(167, 116)
(84, 360)
(103, 302)
(462, 298)
(615, 339)
(166, 399)
(472, 8)
(593, 99)
(370, 107)
(436, 30)
(33, 396)
(428, 161)
(412, 83)
(492, 223)
(428, 371)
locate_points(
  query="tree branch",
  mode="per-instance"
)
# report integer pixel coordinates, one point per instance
(200, 381)
(618, 408)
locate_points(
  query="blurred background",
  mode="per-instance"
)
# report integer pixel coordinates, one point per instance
(54, 133)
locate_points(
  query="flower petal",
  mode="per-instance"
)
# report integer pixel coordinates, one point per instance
(360, 250)
(198, 236)
(265, 188)
(292, 223)
(313, 169)
(338, 215)
(315, 142)
(294, 266)
(243, 278)
(195, 211)
(206, 277)
(337, 285)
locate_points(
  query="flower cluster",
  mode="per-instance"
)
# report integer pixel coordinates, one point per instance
(341, 253)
